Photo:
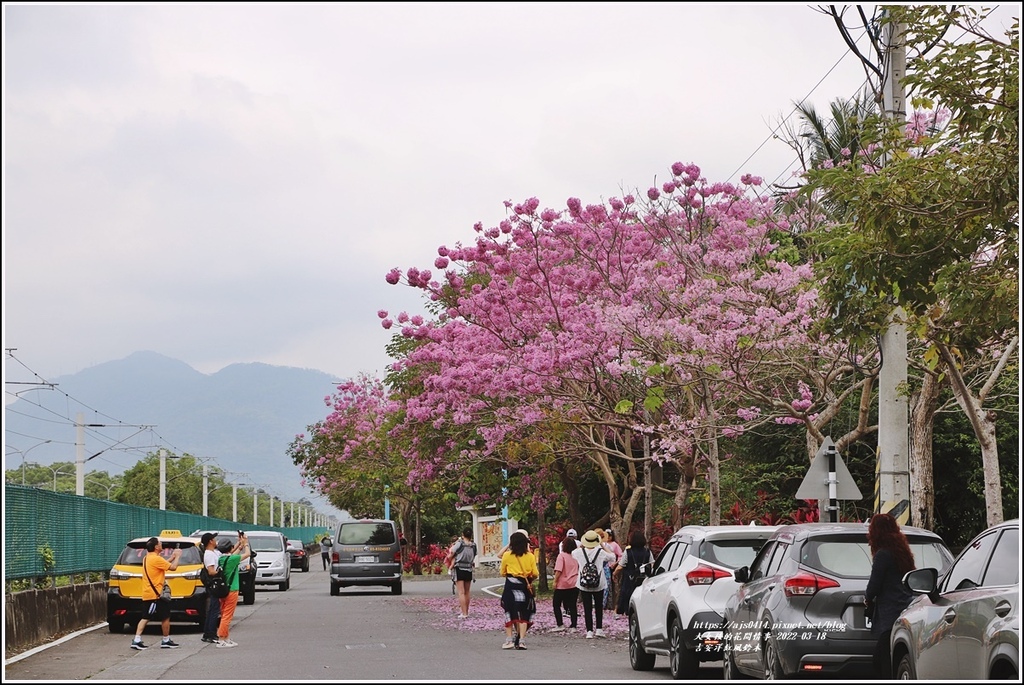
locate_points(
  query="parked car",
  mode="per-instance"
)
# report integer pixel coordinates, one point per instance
(799, 609)
(366, 552)
(124, 589)
(299, 555)
(246, 570)
(273, 563)
(965, 626)
(676, 611)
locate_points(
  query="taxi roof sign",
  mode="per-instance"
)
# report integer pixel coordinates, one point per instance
(170, 533)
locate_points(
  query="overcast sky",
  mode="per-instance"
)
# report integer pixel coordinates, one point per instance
(231, 183)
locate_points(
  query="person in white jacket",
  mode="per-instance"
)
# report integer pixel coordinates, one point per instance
(590, 552)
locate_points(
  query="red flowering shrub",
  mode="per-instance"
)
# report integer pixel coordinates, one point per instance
(432, 560)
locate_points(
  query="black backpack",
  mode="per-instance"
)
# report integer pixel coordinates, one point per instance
(590, 577)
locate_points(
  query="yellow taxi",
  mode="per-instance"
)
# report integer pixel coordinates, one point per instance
(124, 592)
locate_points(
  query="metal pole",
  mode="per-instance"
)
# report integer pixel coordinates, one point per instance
(833, 507)
(206, 489)
(234, 502)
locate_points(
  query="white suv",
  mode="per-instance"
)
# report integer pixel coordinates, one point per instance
(273, 561)
(677, 609)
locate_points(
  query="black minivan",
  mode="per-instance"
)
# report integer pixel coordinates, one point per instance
(366, 552)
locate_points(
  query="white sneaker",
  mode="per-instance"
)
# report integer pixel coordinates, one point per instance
(557, 629)
(590, 634)
(509, 644)
(599, 633)
(226, 643)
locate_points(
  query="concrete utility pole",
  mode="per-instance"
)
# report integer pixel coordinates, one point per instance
(892, 487)
(163, 479)
(80, 454)
(206, 489)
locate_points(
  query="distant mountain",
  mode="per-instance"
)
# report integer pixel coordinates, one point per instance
(243, 417)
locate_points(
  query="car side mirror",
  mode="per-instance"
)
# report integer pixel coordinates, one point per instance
(922, 581)
(742, 574)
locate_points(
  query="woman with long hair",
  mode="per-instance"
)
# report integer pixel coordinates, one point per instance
(519, 568)
(628, 570)
(885, 596)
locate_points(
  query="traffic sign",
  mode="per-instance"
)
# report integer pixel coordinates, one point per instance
(815, 483)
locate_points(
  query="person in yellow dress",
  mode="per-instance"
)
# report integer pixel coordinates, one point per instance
(519, 568)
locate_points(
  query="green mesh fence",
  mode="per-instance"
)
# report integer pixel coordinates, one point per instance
(56, 534)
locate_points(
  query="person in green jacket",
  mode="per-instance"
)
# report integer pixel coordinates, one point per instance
(231, 557)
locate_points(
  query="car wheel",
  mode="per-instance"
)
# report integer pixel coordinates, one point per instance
(772, 663)
(639, 658)
(285, 585)
(115, 626)
(396, 589)
(905, 669)
(335, 589)
(249, 596)
(682, 663)
(305, 568)
(729, 670)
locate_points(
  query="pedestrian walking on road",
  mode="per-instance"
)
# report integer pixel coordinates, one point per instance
(628, 570)
(211, 560)
(885, 597)
(231, 557)
(519, 568)
(154, 570)
(566, 592)
(325, 550)
(591, 553)
(462, 556)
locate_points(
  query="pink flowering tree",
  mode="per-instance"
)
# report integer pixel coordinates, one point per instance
(617, 322)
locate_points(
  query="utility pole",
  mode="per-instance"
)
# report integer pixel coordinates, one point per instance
(80, 454)
(163, 479)
(892, 491)
(206, 489)
(234, 502)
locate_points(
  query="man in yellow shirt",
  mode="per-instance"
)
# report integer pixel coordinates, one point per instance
(154, 570)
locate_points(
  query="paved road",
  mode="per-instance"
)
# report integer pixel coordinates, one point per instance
(365, 634)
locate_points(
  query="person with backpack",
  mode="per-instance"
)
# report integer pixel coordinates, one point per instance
(230, 558)
(211, 560)
(592, 559)
(325, 550)
(462, 556)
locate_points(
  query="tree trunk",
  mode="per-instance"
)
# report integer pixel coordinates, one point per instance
(923, 405)
(984, 425)
(542, 562)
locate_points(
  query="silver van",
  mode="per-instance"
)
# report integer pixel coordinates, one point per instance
(273, 562)
(366, 552)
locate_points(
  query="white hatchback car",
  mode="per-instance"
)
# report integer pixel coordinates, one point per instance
(677, 609)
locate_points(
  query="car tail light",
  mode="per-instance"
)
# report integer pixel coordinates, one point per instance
(398, 557)
(705, 575)
(805, 584)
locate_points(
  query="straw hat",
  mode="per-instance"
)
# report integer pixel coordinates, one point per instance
(590, 540)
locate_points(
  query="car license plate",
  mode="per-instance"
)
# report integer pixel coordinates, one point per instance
(366, 559)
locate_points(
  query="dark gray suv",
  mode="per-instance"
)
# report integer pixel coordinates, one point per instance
(799, 609)
(366, 552)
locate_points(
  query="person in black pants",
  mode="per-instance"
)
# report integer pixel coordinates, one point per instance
(886, 597)
(325, 550)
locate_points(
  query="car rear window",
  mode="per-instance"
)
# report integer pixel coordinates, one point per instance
(134, 554)
(731, 553)
(366, 534)
(850, 556)
(266, 543)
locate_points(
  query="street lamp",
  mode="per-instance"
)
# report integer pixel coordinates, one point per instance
(56, 471)
(23, 456)
(104, 485)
